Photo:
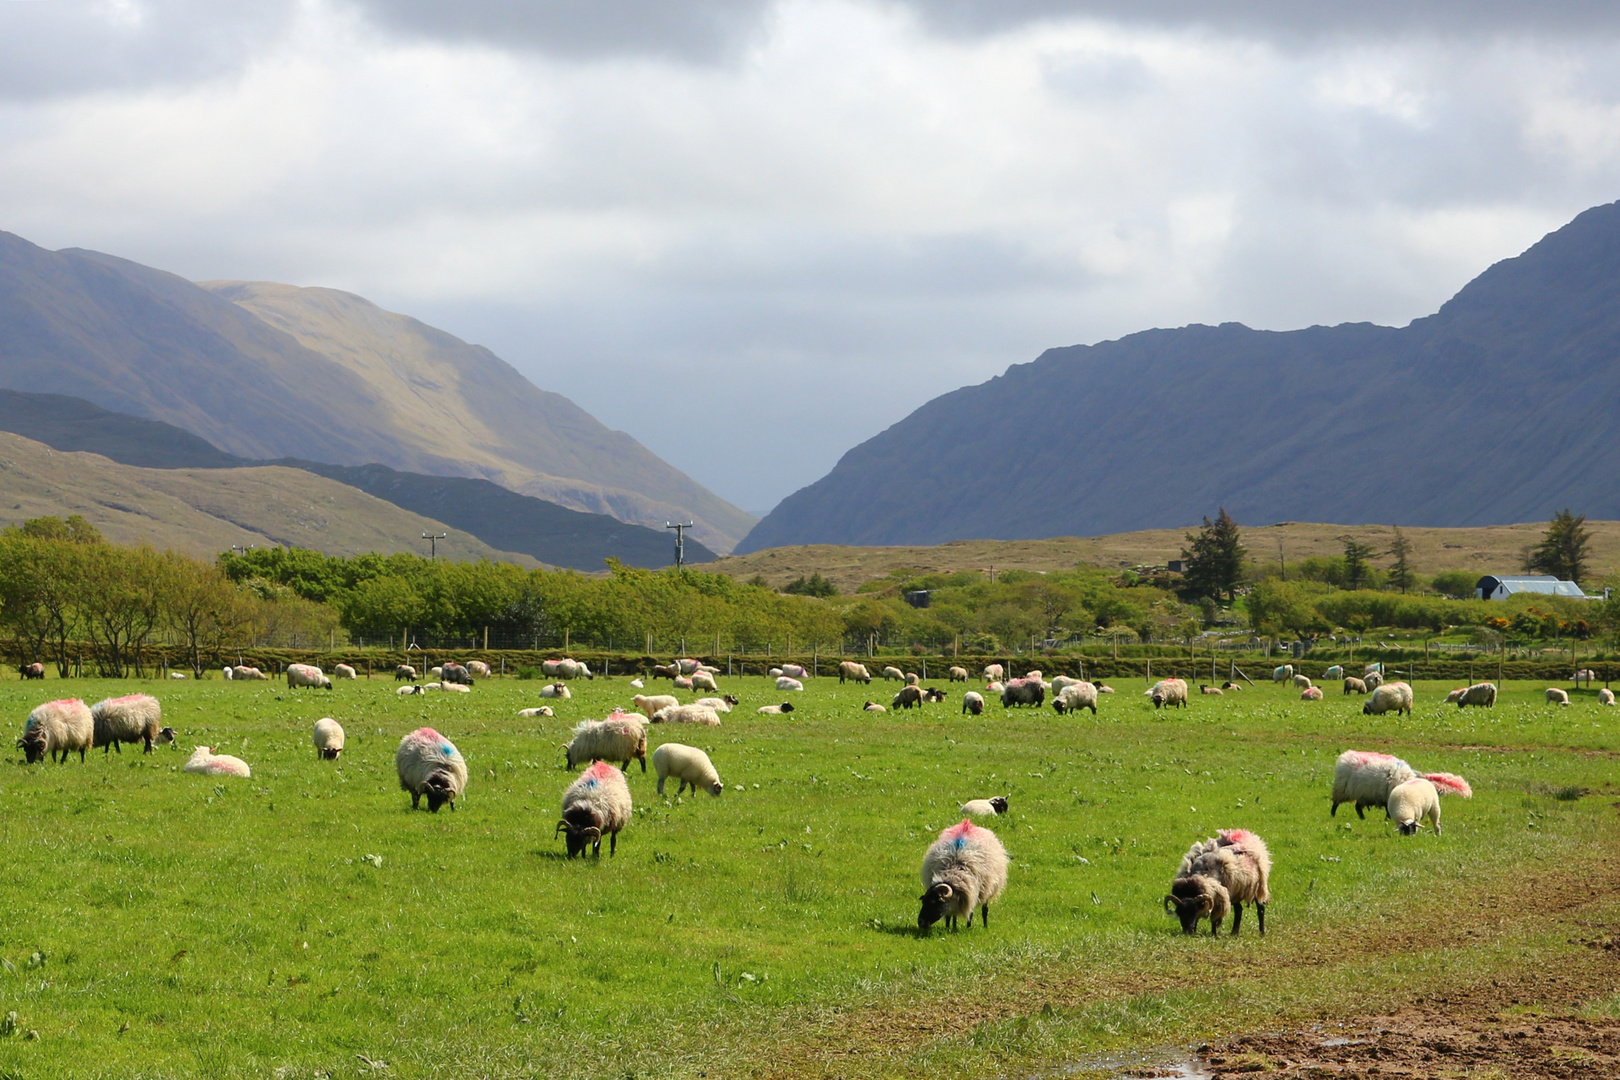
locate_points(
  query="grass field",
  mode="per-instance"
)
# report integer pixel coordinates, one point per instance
(305, 923)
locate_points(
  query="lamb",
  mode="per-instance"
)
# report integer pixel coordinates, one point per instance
(1057, 684)
(872, 706)
(994, 687)
(544, 710)
(1353, 685)
(972, 702)
(328, 738)
(1024, 691)
(404, 673)
(687, 714)
(1419, 798)
(787, 682)
(478, 669)
(965, 868)
(58, 728)
(172, 675)
(775, 710)
(957, 674)
(702, 680)
(911, 678)
(1555, 696)
(659, 671)
(637, 684)
(1169, 692)
(1230, 685)
(437, 671)
(135, 718)
(556, 690)
(450, 687)
(1605, 696)
(683, 682)
(1282, 674)
(1035, 673)
(1334, 672)
(1375, 668)
(894, 673)
(1219, 875)
(1480, 694)
(618, 738)
(307, 675)
(1373, 680)
(1311, 693)
(229, 673)
(718, 704)
(1076, 696)
(1395, 696)
(429, 764)
(241, 671)
(1366, 779)
(995, 672)
(850, 671)
(1211, 690)
(203, 760)
(1453, 696)
(986, 807)
(648, 704)
(344, 671)
(597, 802)
(932, 694)
(908, 697)
(1104, 688)
(687, 764)
(35, 670)
(795, 671)
(414, 688)
(1302, 682)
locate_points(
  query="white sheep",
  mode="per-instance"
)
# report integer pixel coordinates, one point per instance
(1282, 674)
(1373, 680)
(1391, 697)
(850, 671)
(328, 738)
(344, 671)
(637, 684)
(1076, 696)
(307, 675)
(972, 702)
(1605, 696)
(404, 673)
(994, 672)
(702, 680)
(718, 704)
(687, 714)
(177, 675)
(437, 672)
(686, 666)
(986, 807)
(543, 710)
(565, 669)
(1366, 778)
(1311, 693)
(872, 706)
(229, 673)
(788, 682)
(451, 688)
(1334, 672)
(1167, 693)
(894, 673)
(683, 682)
(1555, 696)
(478, 669)
(429, 764)
(774, 673)
(775, 710)
(1480, 694)
(620, 737)
(597, 802)
(649, 704)
(1353, 685)
(1302, 682)
(687, 764)
(1060, 681)
(558, 691)
(242, 671)
(965, 868)
(58, 728)
(414, 688)
(796, 671)
(1375, 668)
(1418, 798)
(1211, 691)
(994, 687)
(131, 719)
(203, 760)
(957, 674)
(1220, 875)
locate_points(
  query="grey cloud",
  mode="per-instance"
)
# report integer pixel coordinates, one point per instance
(700, 31)
(51, 48)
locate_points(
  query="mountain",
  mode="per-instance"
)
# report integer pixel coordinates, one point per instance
(1504, 406)
(269, 371)
(502, 519)
(206, 511)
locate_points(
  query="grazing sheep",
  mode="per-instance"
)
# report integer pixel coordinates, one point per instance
(620, 737)
(683, 682)
(1024, 691)
(307, 675)
(1453, 696)
(478, 669)
(1334, 672)
(556, 690)
(911, 678)
(1353, 685)
(986, 807)
(1375, 668)
(242, 671)
(660, 671)
(957, 674)
(429, 764)
(894, 673)
(1219, 875)
(788, 682)
(1035, 673)
(405, 673)
(229, 673)
(908, 697)
(637, 684)
(1282, 674)
(58, 728)
(995, 672)
(344, 671)
(1605, 696)
(1059, 682)
(1168, 693)
(687, 764)
(994, 687)
(1480, 694)
(437, 671)
(328, 737)
(1302, 682)
(1366, 778)
(597, 802)
(131, 719)
(775, 710)
(574, 669)
(796, 671)
(648, 704)
(456, 674)
(1391, 697)
(972, 702)
(1214, 691)
(1418, 798)
(35, 670)
(872, 706)
(543, 710)
(718, 704)
(1230, 685)
(932, 694)
(1373, 680)
(1311, 693)
(687, 714)
(965, 868)
(203, 760)
(1556, 696)
(850, 671)
(1076, 696)
(702, 680)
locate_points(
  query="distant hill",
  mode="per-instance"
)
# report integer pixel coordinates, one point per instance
(1504, 406)
(502, 519)
(205, 511)
(269, 371)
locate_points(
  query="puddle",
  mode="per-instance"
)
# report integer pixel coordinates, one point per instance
(1162, 1065)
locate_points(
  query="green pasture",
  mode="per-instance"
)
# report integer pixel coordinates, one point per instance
(306, 923)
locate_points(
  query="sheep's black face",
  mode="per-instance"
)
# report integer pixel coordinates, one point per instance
(1158, 700)
(33, 745)
(1366, 710)
(999, 804)
(787, 706)
(933, 906)
(1408, 828)
(1188, 902)
(438, 790)
(165, 736)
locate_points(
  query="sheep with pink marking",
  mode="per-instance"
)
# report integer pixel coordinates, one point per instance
(1220, 875)
(205, 761)
(621, 737)
(597, 803)
(429, 764)
(58, 728)
(1417, 799)
(135, 718)
(965, 868)
(307, 675)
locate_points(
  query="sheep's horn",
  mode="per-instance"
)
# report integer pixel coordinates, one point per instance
(1169, 903)
(561, 825)
(591, 832)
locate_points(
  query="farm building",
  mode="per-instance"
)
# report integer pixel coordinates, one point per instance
(1491, 587)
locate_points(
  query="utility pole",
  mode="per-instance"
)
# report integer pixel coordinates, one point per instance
(434, 540)
(680, 542)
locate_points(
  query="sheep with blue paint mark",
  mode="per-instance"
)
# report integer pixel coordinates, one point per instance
(429, 764)
(597, 802)
(965, 868)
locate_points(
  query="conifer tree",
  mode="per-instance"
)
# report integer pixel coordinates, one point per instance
(1214, 559)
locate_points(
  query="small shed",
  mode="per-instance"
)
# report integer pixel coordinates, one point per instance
(1495, 587)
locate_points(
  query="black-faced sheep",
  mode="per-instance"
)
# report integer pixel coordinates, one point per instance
(620, 738)
(718, 704)
(972, 702)
(429, 764)
(455, 674)
(1418, 798)
(328, 738)
(1482, 695)
(775, 710)
(908, 697)
(1393, 697)
(1076, 696)
(131, 719)
(307, 675)
(965, 868)
(1218, 875)
(33, 671)
(687, 764)
(404, 673)
(58, 728)
(872, 706)
(933, 694)
(990, 807)
(597, 802)
(1168, 693)
(1025, 691)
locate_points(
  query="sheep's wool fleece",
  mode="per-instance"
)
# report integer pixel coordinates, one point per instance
(204, 760)
(425, 750)
(967, 853)
(603, 787)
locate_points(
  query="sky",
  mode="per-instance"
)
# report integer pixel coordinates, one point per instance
(755, 233)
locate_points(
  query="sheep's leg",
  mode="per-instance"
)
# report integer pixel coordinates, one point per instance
(1237, 917)
(1260, 914)
(416, 800)
(1360, 813)
(118, 745)
(984, 916)
(613, 842)
(81, 754)
(1334, 812)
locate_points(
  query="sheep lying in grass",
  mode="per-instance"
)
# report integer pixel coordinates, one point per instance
(872, 706)
(850, 671)
(788, 682)
(687, 714)
(965, 868)
(933, 694)
(558, 691)
(1214, 690)
(597, 802)
(637, 684)
(1482, 695)
(429, 764)
(994, 687)
(689, 765)
(1393, 697)
(1555, 696)
(450, 687)
(718, 704)
(775, 710)
(543, 710)
(620, 738)
(1168, 693)
(990, 807)
(1218, 875)
(1605, 696)
(1230, 685)
(131, 719)
(1353, 685)
(1418, 798)
(242, 671)
(328, 738)
(1104, 688)
(1074, 697)
(972, 702)
(58, 728)
(203, 760)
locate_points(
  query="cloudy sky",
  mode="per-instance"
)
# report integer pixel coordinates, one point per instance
(754, 233)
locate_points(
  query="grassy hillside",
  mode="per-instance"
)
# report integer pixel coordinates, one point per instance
(205, 511)
(1483, 550)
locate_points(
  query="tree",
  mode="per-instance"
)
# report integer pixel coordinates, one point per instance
(1214, 559)
(1356, 555)
(1562, 551)
(1400, 575)
(815, 585)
